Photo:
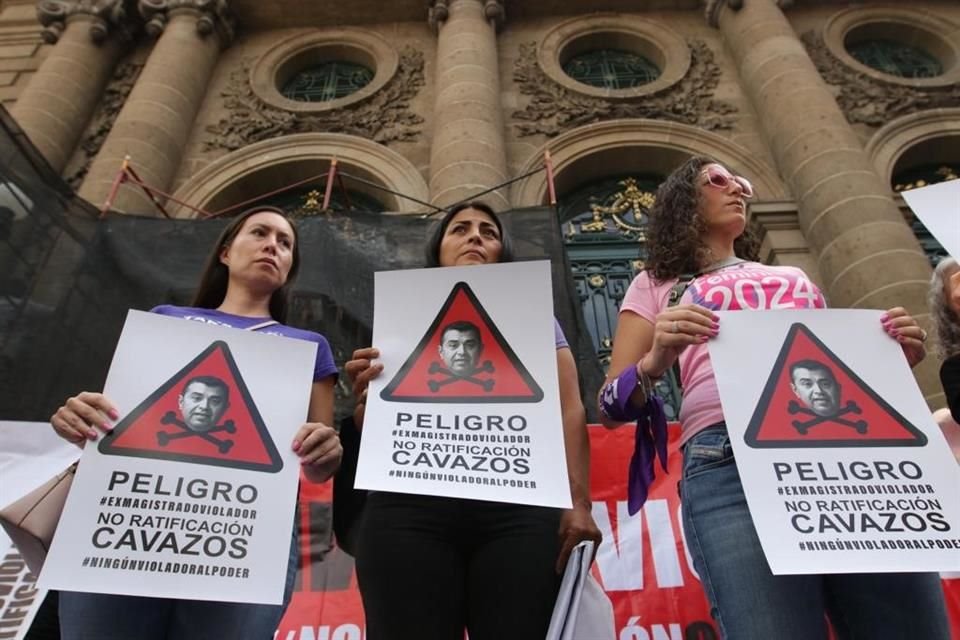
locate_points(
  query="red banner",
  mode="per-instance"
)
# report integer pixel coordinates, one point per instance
(643, 563)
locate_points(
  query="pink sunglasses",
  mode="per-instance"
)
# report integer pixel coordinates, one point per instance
(720, 179)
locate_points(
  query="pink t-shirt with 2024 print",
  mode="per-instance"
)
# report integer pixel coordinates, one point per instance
(746, 285)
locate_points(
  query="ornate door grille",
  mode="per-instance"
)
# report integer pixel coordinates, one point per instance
(604, 231)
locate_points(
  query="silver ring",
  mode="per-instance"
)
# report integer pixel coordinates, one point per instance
(675, 329)
(923, 335)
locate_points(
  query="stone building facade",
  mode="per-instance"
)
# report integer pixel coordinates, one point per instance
(829, 107)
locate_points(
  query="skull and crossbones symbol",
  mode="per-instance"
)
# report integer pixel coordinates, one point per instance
(819, 393)
(460, 349)
(202, 403)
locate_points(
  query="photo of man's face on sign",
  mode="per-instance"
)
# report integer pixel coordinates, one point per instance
(203, 402)
(460, 349)
(815, 385)
(200, 407)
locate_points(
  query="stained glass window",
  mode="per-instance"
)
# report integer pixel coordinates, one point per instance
(611, 69)
(327, 81)
(920, 177)
(896, 58)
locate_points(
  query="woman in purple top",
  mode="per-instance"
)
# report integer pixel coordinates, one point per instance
(245, 285)
(429, 566)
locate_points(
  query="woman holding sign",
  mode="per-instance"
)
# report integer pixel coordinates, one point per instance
(700, 255)
(945, 312)
(245, 285)
(429, 566)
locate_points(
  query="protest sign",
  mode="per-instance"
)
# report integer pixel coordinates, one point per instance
(938, 207)
(843, 468)
(192, 494)
(468, 403)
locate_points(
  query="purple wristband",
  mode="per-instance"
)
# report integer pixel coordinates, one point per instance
(615, 399)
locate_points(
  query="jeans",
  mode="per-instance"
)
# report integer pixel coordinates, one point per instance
(749, 602)
(102, 616)
(428, 567)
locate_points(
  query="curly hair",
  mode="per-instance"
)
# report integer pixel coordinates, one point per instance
(675, 235)
(946, 324)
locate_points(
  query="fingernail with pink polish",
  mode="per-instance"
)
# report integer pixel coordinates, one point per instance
(106, 426)
(885, 317)
(296, 445)
(113, 414)
(92, 434)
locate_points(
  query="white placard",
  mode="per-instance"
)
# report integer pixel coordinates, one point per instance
(843, 467)
(30, 454)
(467, 420)
(938, 207)
(19, 597)
(189, 498)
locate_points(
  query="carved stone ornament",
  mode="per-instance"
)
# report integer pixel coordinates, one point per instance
(866, 100)
(106, 15)
(120, 86)
(554, 109)
(386, 117)
(439, 11)
(712, 8)
(215, 17)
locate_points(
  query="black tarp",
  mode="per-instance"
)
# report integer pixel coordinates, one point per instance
(68, 279)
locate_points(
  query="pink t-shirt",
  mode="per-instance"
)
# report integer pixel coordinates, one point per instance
(747, 285)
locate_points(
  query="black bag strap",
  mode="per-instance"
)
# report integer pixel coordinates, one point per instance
(680, 287)
(676, 292)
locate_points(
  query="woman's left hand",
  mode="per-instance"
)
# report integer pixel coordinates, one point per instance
(319, 449)
(576, 525)
(901, 326)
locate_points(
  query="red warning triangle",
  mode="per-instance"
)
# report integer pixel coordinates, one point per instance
(813, 399)
(203, 414)
(473, 365)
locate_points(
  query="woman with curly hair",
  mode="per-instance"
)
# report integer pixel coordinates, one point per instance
(701, 255)
(944, 298)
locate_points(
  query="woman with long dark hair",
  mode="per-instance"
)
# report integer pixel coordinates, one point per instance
(430, 566)
(698, 235)
(245, 285)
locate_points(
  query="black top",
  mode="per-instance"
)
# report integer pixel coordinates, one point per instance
(950, 379)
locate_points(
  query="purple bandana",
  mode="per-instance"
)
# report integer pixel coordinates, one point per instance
(650, 443)
(615, 399)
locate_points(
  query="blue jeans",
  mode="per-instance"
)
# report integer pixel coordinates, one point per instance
(749, 602)
(102, 616)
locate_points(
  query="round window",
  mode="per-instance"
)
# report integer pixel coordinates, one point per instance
(895, 58)
(611, 69)
(326, 81)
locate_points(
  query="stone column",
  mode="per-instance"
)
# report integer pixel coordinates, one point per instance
(56, 106)
(156, 120)
(866, 254)
(467, 153)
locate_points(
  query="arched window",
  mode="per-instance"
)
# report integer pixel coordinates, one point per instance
(921, 176)
(326, 81)
(611, 69)
(308, 200)
(604, 226)
(895, 58)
